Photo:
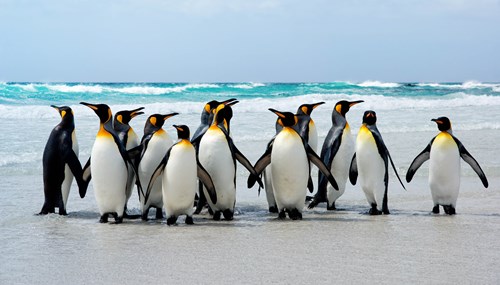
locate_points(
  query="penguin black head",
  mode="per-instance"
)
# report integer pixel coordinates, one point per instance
(65, 112)
(286, 119)
(182, 132)
(306, 109)
(342, 107)
(102, 110)
(157, 120)
(223, 113)
(443, 123)
(212, 105)
(370, 117)
(125, 116)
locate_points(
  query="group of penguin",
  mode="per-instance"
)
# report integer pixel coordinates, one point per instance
(201, 171)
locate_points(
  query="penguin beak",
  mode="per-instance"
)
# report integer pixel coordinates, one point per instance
(355, 102)
(317, 104)
(91, 106)
(228, 101)
(55, 107)
(277, 113)
(177, 127)
(369, 115)
(231, 103)
(136, 112)
(437, 121)
(165, 117)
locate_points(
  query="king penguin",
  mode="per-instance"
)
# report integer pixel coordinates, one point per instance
(154, 145)
(218, 155)
(180, 169)
(371, 162)
(206, 120)
(288, 156)
(306, 128)
(130, 140)
(108, 167)
(60, 164)
(444, 152)
(336, 153)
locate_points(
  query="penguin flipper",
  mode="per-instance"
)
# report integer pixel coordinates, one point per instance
(158, 171)
(353, 170)
(314, 158)
(465, 155)
(328, 152)
(395, 171)
(205, 178)
(260, 165)
(418, 161)
(76, 169)
(244, 161)
(135, 152)
(86, 174)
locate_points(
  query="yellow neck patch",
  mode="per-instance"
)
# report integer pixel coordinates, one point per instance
(102, 132)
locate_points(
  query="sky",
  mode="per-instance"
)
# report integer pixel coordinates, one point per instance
(249, 40)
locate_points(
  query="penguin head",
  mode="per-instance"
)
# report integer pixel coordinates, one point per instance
(306, 109)
(370, 118)
(156, 121)
(212, 105)
(443, 123)
(125, 116)
(65, 112)
(286, 119)
(342, 107)
(223, 114)
(102, 110)
(182, 132)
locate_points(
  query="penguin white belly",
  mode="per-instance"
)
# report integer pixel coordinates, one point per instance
(268, 185)
(290, 171)
(371, 168)
(109, 176)
(216, 158)
(155, 151)
(444, 170)
(179, 182)
(68, 175)
(132, 142)
(340, 166)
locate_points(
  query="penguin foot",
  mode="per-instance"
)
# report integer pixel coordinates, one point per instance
(228, 215)
(62, 211)
(386, 212)
(46, 210)
(295, 214)
(282, 215)
(435, 210)
(103, 219)
(145, 214)
(217, 215)
(313, 204)
(332, 207)
(448, 209)
(118, 219)
(171, 220)
(273, 209)
(159, 214)
(374, 211)
(189, 220)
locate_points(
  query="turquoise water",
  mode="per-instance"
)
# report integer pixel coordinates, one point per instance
(119, 93)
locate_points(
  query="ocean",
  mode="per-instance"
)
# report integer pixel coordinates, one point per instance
(410, 245)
